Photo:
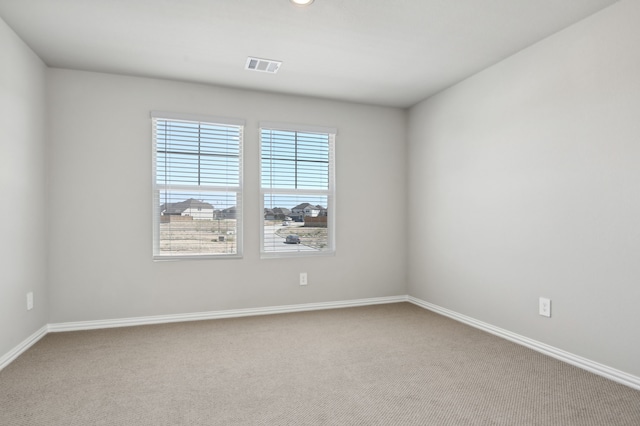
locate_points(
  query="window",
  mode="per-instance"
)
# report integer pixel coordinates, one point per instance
(197, 186)
(297, 189)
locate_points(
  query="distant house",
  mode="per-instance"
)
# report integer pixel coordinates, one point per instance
(281, 213)
(196, 209)
(306, 209)
(230, 213)
(277, 213)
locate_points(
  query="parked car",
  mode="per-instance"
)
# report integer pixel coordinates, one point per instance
(292, 239)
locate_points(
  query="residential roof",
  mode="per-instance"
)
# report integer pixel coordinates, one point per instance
(302, 206)
(281, 210)
(176, 208)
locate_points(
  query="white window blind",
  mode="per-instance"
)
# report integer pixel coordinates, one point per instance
(197, 187)
(298, 190)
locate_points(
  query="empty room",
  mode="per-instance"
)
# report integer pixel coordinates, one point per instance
(325, 212)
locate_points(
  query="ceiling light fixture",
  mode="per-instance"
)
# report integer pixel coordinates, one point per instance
(302, 2)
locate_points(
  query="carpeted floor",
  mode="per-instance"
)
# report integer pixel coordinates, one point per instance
(391, 364)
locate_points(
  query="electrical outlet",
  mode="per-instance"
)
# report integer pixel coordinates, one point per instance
(29, 301)
(303, 278)
(544, 307)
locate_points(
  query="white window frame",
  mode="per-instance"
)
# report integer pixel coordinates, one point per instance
(223, 121)
(329, 192)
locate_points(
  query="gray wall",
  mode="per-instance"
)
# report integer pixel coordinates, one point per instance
(525, 182)
(22, 191)
(100, 202)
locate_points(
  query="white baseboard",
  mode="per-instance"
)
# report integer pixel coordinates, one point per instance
(578, 361)
(233, 313)
(7, 358)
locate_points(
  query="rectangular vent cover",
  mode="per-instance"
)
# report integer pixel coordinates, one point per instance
(262, 65)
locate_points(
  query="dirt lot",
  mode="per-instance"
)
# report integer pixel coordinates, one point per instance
(198, 236)
(219, 236)
(310, 236)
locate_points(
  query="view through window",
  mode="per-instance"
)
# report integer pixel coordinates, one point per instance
(297, 185)
(197, 186)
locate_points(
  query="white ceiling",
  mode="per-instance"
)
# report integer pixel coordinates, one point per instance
(384, 52)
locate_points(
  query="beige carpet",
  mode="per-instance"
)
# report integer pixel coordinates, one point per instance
(379, 365)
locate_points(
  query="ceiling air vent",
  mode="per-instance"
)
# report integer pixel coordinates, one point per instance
(262, 65)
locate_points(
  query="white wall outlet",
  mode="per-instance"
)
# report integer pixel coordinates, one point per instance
(29, 301)
(303, 278)
(544, 307)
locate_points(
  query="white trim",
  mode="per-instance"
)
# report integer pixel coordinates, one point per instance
(308, 128)
(7, 358)
(197, 118)
(182, 257)
(575, 360)
(266, 255)
(232, 313)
